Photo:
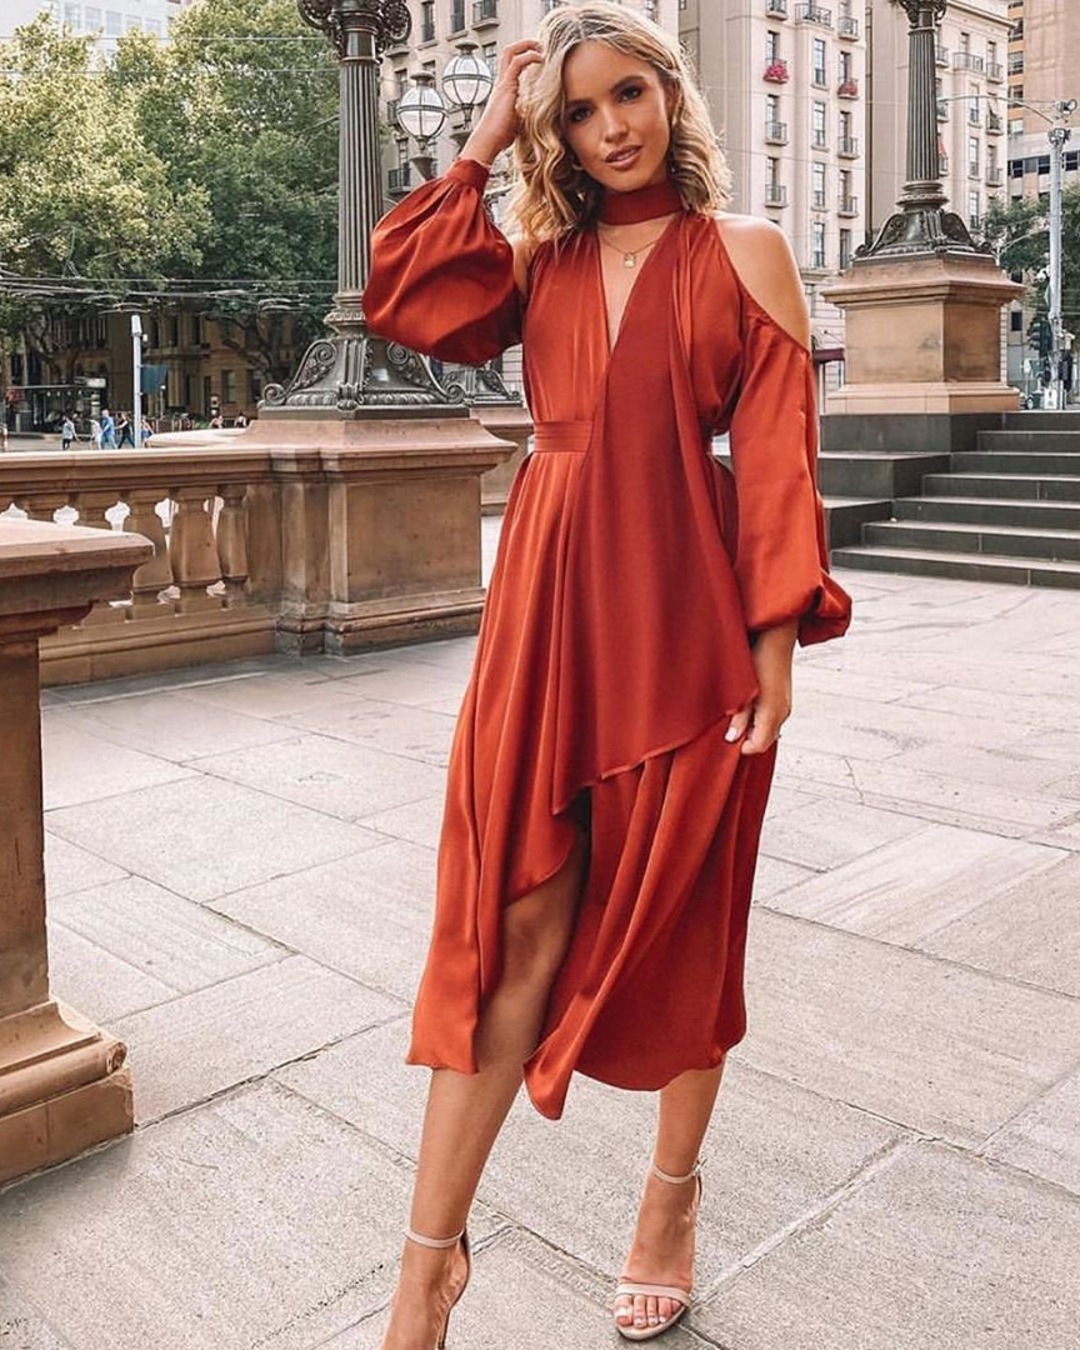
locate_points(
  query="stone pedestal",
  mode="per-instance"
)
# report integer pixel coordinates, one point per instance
(63, 1087)
(923, 335)
(509, 422)
(380, 526)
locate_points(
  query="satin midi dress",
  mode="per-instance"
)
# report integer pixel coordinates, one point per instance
(632, 573)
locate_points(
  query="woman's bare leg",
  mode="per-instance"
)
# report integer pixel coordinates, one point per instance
(466, 1111)
(662, 1251)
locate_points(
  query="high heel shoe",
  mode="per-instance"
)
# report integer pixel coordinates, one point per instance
(442, 1245)
(630, 1288)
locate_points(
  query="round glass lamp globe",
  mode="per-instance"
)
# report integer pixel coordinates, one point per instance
(421, 112)
(467, 81)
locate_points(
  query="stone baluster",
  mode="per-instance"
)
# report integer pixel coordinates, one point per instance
(232, 542)
(63, 1087)
(193, 551)
(92, 505)
(43, 505)
(153, 576)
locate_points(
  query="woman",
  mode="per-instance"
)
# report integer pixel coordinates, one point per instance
(614, 753)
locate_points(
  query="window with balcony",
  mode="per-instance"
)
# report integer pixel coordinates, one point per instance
(941, 55)
(845, 250)
(814, 14)
(847, 203)
(775, 192)
(974, 209)
(772, 44)
(485, 11)
(974, 108)
(776, 9)
(846, 24)
(776, 132)
(994, 69)
(974, 157)
(490, 52)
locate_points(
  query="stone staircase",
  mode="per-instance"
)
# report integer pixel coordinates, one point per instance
(1009, 510)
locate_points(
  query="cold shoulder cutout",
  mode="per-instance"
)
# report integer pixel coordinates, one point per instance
(765, 266)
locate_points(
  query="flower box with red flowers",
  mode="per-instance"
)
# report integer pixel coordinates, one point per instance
(776, 72)
(848, 89)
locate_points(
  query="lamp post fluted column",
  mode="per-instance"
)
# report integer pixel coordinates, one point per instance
(351, 372)
(922, 225)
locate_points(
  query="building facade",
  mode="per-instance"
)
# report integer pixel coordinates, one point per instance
(106, 18)
(786, 82)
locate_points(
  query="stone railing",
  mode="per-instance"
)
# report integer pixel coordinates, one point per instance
(271, 539)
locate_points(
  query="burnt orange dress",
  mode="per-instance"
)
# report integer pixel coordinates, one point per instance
(631, 575)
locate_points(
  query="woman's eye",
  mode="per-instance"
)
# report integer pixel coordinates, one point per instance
(578, 115)
(632, 92)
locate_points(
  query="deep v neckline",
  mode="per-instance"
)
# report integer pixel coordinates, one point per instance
(612, 340)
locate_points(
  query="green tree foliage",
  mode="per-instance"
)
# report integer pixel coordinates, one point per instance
(243, 103)
(81, 191)
(1020, 234)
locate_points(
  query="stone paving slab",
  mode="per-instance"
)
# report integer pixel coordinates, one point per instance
(881, 894)
(1045, 1139)
(368, 915)
(929, 1044)
(258, 1220)
(203, 838)
(826, 834)
(1027, 930)
(413, 733)
(938, 1251)
(343, 780)
(69, 868)
(417, 822)
(22, 1327)
(78, 767)
(103, 987)
(191, 1048)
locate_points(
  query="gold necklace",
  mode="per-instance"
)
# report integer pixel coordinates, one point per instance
(630, 256)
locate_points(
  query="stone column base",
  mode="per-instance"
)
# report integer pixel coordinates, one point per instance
(63, 1089)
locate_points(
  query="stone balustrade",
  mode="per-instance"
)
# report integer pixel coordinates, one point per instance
(291, 537)
(63, 1085)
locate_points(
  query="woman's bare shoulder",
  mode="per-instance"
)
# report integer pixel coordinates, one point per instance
(761, 255)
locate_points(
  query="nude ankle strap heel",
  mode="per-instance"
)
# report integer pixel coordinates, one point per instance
(442, 1245)
(682, 1298)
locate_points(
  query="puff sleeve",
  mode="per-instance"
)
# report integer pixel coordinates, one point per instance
(442, 275)
(781, 561)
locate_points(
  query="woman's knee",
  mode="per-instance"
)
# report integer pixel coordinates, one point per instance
(537, 928)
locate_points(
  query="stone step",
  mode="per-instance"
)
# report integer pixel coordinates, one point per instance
(961, 566)
(1038, 420)
(959, 537)
(1063, 488)
(875, 475)
(1015, 461)
(990, 511)
(846, 516)
(1022, 442)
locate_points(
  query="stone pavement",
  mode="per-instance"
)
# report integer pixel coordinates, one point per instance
(241, 865)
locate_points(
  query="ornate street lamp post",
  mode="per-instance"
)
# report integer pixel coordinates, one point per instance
(922, 225)
(351, 371)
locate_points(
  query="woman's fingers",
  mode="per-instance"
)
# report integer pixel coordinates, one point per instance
(765, 727)
(739, 723)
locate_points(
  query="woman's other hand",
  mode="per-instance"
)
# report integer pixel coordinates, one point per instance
(758, 724)
(498, 127)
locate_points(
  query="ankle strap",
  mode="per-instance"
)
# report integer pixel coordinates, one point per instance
(678, 1181)
(437, 1244)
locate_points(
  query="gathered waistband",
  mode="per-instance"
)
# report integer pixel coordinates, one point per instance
(568, 437)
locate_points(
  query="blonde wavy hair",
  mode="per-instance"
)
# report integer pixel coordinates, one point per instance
(551, 197)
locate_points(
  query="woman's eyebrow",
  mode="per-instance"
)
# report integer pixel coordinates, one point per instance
(616, 88)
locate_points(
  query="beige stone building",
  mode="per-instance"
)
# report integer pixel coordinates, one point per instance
(972, 55)
(1044, 69)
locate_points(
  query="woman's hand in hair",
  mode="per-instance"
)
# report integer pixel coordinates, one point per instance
(501, 120)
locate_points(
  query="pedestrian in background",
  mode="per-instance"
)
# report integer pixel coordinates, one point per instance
(615, 749)
(67, 432)
(108, 430)
(95, 433)
(126, 431)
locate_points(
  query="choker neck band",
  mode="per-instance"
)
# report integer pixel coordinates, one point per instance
(628, 208)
